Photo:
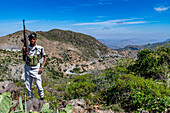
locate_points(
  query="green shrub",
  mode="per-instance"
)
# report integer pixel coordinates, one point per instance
(153, 63)
(79, 87)
(82, 78)
(145, 101)
(105, 80)
(135, 92)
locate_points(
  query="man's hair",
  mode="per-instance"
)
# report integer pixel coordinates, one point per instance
(32, 35)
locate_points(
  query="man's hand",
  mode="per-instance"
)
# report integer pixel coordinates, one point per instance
(40, 70)
(24, 48)
(24, 53)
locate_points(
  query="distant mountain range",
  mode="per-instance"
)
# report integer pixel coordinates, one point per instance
(141, 47)
(125, 42)
(132, 50)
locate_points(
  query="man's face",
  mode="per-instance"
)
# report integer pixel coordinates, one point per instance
(32, 40)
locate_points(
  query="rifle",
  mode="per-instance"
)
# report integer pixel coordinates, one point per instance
(25, 41)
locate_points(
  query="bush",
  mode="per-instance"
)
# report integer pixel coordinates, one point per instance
(106, 80)
(153, 63)
(145, 101)
(135, 92)
(79, 87)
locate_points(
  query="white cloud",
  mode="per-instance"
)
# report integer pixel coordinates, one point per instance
(161, 8)
(114, 22)
(135, 22)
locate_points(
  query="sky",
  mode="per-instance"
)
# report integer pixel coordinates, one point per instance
(104, 19)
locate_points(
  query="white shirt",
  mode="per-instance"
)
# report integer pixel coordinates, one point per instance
(33, 70)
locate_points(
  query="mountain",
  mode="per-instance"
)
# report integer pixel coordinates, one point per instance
(141, 47)
(66, 50)
(89, 46)
(125, 42)
(131, 50)
(167, 40)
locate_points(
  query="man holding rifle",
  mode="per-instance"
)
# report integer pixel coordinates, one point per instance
(32, 55)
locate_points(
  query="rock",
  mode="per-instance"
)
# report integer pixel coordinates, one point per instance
(35, 104)
(79, 105)
(1, 86)
(78, 102)
(9, 86)
(78, 109)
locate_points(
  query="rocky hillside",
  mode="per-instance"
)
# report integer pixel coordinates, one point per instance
(68, 52)
(87, 45)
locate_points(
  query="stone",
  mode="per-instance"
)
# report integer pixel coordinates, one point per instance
(9, 86)
(78, 102)
(77, 109)
(79, 105)
(35, 104)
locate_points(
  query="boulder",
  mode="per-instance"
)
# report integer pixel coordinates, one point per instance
(79, 105)
(9, 86)
(78, 102)
(35, 104)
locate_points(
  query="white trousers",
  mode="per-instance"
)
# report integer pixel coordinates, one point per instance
(31, 74)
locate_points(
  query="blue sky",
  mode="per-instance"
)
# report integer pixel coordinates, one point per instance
(103, 19)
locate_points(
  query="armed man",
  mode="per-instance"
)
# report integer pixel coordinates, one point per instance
(32, 54)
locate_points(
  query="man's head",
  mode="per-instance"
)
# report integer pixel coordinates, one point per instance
(32, 38)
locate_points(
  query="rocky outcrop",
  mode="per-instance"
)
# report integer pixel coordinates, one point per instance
(9, 86)
(35, 104)
(79, 105)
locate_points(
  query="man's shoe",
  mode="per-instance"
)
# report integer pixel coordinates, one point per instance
(42, 98)
(30, 98)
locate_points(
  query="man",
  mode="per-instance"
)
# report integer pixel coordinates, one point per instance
(32, 65)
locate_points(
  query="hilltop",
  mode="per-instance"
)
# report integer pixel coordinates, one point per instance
(67, 50)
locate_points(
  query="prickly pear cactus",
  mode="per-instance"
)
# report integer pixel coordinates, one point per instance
(45, 107)
(5, 102)
(68, 109)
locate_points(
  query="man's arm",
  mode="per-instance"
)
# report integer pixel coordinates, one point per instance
(41, 69)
